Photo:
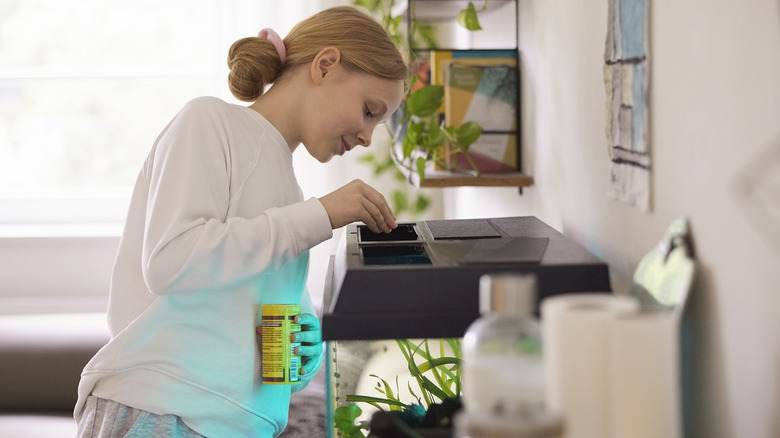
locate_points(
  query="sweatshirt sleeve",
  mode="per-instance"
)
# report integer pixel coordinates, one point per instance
(191, 240)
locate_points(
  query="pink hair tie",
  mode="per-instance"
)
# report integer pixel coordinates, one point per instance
(274, 39)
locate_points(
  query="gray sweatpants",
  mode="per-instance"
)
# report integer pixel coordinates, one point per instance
(109, 419)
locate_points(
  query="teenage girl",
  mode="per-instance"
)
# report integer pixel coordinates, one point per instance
(218, 226)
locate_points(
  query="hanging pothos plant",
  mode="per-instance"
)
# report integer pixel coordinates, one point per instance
(415, 126)
(424, 139)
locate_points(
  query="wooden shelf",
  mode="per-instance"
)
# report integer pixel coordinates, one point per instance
(440, 178)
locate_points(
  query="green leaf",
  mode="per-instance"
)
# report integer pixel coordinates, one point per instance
(425, 383)
(387, 164)
(454, 371)
(425, 101)
(421, 204)
(393, 24)
(387, 390)
(421, 168)
(467, 134)
(368, 159)
(433, 388)
(443, 384)
(468, 18)
(400, 202)
(435, 362)
(427, 33)
(403, 345)
(379, 400)
(454, 344)
(436, 139)
(411, 391)
(371, 5)
(411, 139)
(408, 350)
(344, 420)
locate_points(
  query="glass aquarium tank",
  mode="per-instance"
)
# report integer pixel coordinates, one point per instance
(415, 383)
(396, 306)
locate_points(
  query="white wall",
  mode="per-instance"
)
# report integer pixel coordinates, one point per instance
(715, 118)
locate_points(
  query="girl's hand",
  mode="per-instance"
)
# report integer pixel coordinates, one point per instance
(358, 201)
(310, 338)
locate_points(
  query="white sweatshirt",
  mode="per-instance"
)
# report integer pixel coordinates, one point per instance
(217, 226)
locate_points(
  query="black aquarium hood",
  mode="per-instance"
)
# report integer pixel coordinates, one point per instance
(422, 279)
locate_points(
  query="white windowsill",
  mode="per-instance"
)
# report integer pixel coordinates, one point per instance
(47, 268)
(14, 231)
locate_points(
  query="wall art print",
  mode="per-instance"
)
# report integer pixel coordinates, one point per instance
(626, 81)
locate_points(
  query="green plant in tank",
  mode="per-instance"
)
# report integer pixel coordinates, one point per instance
(344, 420)
(436, 379)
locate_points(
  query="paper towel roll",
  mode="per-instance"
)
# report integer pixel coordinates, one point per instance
(644, 390)
(577, 358)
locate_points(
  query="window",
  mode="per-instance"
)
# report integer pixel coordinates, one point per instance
(85, 88)
(87, 85)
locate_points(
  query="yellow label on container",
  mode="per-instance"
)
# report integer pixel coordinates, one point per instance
(281, 366)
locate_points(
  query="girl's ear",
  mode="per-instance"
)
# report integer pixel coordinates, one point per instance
(324, 63)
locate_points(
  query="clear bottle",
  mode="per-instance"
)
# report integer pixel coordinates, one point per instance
(502, 369)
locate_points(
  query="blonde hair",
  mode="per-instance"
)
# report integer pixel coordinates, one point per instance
(363, 43)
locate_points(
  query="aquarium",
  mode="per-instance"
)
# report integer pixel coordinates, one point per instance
(396, 305)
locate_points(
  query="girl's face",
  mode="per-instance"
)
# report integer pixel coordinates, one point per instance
(344, 110)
